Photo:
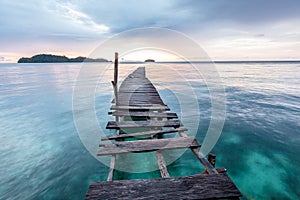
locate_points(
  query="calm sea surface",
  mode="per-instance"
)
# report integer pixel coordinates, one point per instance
(42, 156)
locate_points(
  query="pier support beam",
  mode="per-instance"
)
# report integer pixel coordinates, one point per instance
(111, 168)
(162, 165)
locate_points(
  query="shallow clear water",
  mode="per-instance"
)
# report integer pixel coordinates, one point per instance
(42, 156)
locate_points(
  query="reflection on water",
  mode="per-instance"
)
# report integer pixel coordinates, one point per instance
(42, 156)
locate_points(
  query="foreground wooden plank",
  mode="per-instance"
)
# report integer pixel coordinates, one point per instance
(147, 145)
(143, 134)
(216, 186)
(144, 114)
(143, 124)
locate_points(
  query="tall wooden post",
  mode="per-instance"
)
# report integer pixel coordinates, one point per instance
(115, 81)
(115, 86)
(116, 69)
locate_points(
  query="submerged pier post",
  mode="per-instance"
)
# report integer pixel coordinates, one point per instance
(212, 159)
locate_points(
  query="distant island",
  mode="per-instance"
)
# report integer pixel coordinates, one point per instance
(49, 58)
(149, 60)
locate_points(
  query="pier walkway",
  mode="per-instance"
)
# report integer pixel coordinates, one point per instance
(137, 105)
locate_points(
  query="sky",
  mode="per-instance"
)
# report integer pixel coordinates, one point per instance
(225, 29)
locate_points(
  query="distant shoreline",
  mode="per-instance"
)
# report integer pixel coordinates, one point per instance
(49, 58)
(217, 62)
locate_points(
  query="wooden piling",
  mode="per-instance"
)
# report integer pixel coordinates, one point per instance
(212, 159)
(115, 81)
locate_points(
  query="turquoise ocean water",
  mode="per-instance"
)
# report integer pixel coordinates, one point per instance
(42, 156)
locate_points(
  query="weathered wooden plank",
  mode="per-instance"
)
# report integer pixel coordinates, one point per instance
(162, 165)
(145, 89)
(216, 186)
(142, 100)
(145, 99)
(143, 134)
(208, 167)
(138, 73)
(124, 91)
(147, 145)
(140, 107)
(138, 103)
(139, 95)
(144, 114)
(137, 84)
(137, 91)
(152, 92)
(111, 168)
(143, 124)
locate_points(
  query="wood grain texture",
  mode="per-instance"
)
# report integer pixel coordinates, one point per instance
(143, 106)
(143, 124)
(216, 186)
(136, 89)
(208, 167)
(146, 145)
(137, 97)
(143, 134)
(145, 114)
(162, 165)
(111, 168)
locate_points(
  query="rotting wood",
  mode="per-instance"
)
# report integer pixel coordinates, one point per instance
(140, 107)
(212, 159)
(215, 186)
(116, 69)
(143, 124)
(143, 134)
(147, 145)
(138, 95)
(144, 114)
(208, 167)
(111, 168)
(115, 81)
(162, 165)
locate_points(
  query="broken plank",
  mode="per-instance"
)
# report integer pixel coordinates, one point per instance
(144, 114)
(142, 107)
(144, 134)
(208, 167)
(143, 124)
(147, 145)
(111, 168)
(162, 165)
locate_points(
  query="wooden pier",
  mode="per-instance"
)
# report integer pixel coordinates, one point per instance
(137, 105)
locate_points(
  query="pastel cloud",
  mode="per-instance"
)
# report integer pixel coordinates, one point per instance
(240, 27)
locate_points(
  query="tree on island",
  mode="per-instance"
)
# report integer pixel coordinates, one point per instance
(49, 58)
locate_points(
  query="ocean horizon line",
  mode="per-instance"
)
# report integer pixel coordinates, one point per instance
(178, 62)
